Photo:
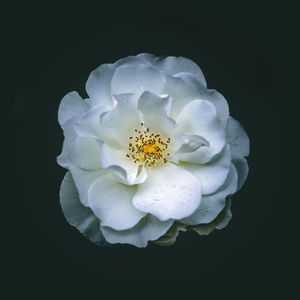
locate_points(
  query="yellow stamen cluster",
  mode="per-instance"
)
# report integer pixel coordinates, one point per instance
(147, 147)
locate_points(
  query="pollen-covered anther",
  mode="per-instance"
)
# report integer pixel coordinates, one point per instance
(147, 147)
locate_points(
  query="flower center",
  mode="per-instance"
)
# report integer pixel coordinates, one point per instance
(147, 147)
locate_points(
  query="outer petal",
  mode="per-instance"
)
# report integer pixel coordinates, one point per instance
(155, 110)
(199, 117)
(173, 65)
(124, 168)
(78, 215)
(220, 222)
(131, 78)
(148, 229)
(83, 180)
(237, 138)
(170, 236)
(98, 85)
(181, 94)
(242, 169)
(86, 153)
(168, 193)
(111, 202)
(212, 96)
(211, 205)
(213, 174)
(71, 105)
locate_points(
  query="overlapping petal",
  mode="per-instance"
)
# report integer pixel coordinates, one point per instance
(148, 229)
(173, 65)
(71, 105)
(78, 215)
(132, 78)
(168, 193)
(237, 138)
(213, 174)
(155, 113)
(98, 85)
(210, 95)
(211, 205)
(199, 117)
(111, 202)
(122, 167)
(121, 121)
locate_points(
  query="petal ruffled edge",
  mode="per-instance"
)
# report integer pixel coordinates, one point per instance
(148, 229)
(77, 214)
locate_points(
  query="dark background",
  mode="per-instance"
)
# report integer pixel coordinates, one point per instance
(50, 50)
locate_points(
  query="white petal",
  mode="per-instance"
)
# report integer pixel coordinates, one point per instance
(121, 121)
(155, 110)
(213, 174)
(211, 205)
(212, 96)
(170, 236)
(220, 222)
(180, 92)
(78, 215)
(98, 85)
(111, 202)
(174, 65)
(71, 105)
(168, 193)
(226, 217)
(131, 78)
(185, 143)
(124, 168)
(131, 60)
(199, 117)
(237, 138)
(86, 152)
(148, 229)
(83, 180)
(88, 125)
(242, 169)
(63, 159)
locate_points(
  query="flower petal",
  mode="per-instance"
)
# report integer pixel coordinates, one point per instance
(86, 152)
(111, 202)
(199, 117)
(170, 236)
(98, 85)
(237, 138)
(131, 78)
(155, 110)
(220, 222)
(71, 105)
(242, 169)
(83, 180)
(78, 215)
(121, 121)
(148, 229)
(185, 143)
(173, 65)
(213, 174)
(181, 94)
(168, 193)
(212, 96)
(212, 204)
(124, 168)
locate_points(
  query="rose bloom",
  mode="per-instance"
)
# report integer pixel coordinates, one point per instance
(150, 153)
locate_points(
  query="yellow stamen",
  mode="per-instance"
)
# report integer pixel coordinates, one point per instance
(148, 148)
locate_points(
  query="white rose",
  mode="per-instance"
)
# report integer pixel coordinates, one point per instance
(152, 151)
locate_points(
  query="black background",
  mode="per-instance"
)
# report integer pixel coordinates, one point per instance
(49, 51)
